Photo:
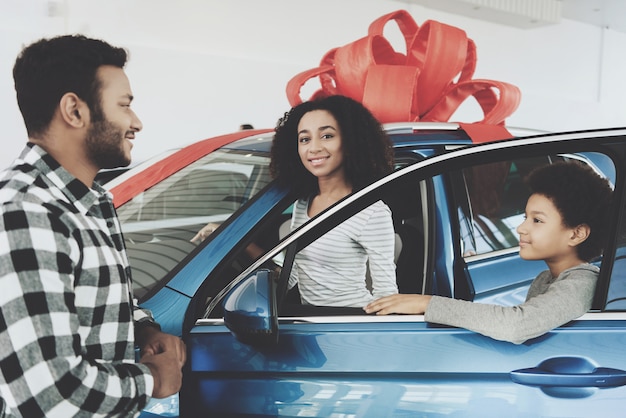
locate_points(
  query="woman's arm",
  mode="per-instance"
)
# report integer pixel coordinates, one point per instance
(378, 240)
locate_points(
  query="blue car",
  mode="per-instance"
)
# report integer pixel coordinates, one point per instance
(255, 351)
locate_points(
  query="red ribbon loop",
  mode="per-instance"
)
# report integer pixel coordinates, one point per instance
(427, 83)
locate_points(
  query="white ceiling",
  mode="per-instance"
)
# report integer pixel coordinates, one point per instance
(604, 13)
(530, 14)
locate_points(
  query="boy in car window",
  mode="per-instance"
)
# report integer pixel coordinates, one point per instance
(565, 226)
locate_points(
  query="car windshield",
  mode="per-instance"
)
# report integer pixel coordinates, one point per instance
(159, 223)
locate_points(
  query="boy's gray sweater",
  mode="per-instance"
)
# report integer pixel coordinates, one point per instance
(549, 303)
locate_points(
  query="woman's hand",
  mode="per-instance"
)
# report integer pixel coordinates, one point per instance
(406, 304)
(204, 233)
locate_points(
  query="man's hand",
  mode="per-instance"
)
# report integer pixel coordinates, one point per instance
(152, 341)
(165, 355)
(166, 371)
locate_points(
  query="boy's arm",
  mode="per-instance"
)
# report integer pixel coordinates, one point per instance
(564, 300)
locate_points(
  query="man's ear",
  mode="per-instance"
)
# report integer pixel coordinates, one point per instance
(73, 110)
(580, 234)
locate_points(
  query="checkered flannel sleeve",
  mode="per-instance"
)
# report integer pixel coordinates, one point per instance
(52, 364)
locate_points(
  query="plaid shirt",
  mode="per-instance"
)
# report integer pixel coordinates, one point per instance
(66, 330)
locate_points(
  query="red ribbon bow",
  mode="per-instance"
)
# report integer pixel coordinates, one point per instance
(428, 83)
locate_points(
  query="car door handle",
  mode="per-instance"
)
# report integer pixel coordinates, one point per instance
(569, 372)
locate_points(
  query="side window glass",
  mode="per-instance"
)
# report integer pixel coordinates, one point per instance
(212, 188)
(159, 223)
(496, 198)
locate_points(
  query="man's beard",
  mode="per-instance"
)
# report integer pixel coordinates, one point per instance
(105, 145)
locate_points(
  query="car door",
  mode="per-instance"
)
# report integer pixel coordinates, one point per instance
(260, 359)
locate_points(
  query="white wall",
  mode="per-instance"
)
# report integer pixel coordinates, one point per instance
(200, 68)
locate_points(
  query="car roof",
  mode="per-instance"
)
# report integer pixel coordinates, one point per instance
(403, 134)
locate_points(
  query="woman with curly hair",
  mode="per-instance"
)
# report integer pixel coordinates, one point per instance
(324, 150)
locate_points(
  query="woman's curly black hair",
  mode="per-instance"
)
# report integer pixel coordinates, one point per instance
(367, 150)
(581, 196)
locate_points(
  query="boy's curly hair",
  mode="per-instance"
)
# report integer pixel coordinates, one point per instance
(367, 150)
(581, 196)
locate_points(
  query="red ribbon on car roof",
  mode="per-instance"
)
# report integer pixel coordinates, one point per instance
(427, 84)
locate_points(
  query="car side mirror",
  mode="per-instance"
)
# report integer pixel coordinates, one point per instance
(250, 311)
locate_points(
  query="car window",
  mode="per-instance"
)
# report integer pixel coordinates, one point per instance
(159, 223)
(496, 198)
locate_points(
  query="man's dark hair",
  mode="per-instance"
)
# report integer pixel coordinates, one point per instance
(49, 68)
(367, 150)
(581, 196)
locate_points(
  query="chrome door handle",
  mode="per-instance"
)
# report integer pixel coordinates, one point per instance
(569, 372)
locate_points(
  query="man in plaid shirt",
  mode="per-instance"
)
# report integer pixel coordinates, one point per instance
(68, 324)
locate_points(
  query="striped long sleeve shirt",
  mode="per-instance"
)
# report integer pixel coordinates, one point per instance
(332, 270)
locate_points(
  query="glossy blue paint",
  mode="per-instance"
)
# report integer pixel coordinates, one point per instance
(169, 307)
(403, 369)
(443, 254)
(409, 347)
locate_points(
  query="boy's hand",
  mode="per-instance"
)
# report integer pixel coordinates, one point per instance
(406, 304)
